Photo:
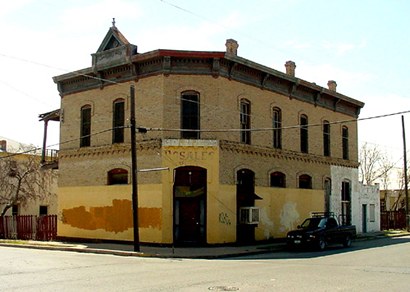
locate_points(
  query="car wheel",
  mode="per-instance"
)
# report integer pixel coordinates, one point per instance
(322, 243)
(348, 241)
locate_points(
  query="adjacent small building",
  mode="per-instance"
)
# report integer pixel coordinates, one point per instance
(38, 187)
(228, 150)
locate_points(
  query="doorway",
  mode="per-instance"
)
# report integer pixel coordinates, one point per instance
(190, 205)
(364, 218)
(245, 197)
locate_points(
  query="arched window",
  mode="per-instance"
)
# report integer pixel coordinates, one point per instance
(85, 127)
(277, 128)
(118, 121)
(278, 179)
(345, 142)
(304, 137)
(326, 138)
(305, 181)
(117, 176)
(245, 119)
(190, 115)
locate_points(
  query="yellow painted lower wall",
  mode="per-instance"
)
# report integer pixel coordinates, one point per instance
(105, 212)
(282, 209)
(221, 211)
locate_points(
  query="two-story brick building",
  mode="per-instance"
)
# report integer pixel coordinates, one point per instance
(236, 151)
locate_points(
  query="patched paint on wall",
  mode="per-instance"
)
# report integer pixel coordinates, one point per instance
(266, 223)
(289, 216)
(116, 218)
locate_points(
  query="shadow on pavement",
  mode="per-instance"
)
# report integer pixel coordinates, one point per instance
(305, 253)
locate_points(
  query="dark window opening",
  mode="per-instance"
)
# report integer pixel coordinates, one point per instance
(346, 191)
(328, 192)
(326, 138)
(117, 176)
(345, 142)
(345, 196)
(190, 115)
(118, 121)
(15, 210)
(245, 119)
(277, 128)
(278, 179)
(85, 131)
(304, 146)
(305, 181)
(43, 211)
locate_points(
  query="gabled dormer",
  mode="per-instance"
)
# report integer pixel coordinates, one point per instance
(114, 50)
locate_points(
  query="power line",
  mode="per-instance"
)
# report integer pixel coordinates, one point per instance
(145, 129)
(281, 128)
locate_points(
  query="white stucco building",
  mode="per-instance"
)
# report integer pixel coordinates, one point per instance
(353, 202)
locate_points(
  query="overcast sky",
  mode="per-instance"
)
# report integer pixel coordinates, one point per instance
(362, 45)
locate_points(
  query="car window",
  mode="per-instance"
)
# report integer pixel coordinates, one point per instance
(331, 223)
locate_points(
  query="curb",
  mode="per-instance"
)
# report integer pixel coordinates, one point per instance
(84, 249)
(256, 250)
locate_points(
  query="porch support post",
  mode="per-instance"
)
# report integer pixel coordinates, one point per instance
(43, 151)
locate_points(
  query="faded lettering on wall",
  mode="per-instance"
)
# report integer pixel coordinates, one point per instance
(189, 155)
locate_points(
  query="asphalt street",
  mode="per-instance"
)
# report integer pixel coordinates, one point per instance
(373, 265)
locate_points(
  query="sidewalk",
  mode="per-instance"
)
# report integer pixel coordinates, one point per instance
(207, 252)
(125, 249)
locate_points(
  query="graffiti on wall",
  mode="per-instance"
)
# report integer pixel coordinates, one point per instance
(224, 218)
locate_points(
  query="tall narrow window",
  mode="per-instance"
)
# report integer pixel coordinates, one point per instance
(345, 142)
(118, 119)
(345, 198)
(328, 192)
(85, 131)
(277, 128)
(326, 138)
(190, 115)
(304, 146)
(372, 211)
(245, 117)
(305, 181)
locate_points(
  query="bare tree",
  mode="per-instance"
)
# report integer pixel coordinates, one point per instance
(400, 202)
(22, 180)
(375, 166)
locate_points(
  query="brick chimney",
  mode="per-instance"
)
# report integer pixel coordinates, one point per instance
(3, 146)
(290, 68)
(332, 85)
(232, 47)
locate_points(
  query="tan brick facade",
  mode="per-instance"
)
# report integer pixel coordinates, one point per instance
(158, 106)
(208, 178)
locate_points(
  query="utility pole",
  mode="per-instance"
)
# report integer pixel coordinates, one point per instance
(134, 171)
(406, 191)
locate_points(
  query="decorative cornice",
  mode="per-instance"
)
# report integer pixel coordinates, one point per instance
(281, 154)
(109, 150)
(166, 62)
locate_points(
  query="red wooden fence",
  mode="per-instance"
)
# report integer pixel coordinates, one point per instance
(393, 219)
(29, 227)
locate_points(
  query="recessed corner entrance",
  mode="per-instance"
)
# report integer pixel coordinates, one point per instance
(245, 197)
(190, 205)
